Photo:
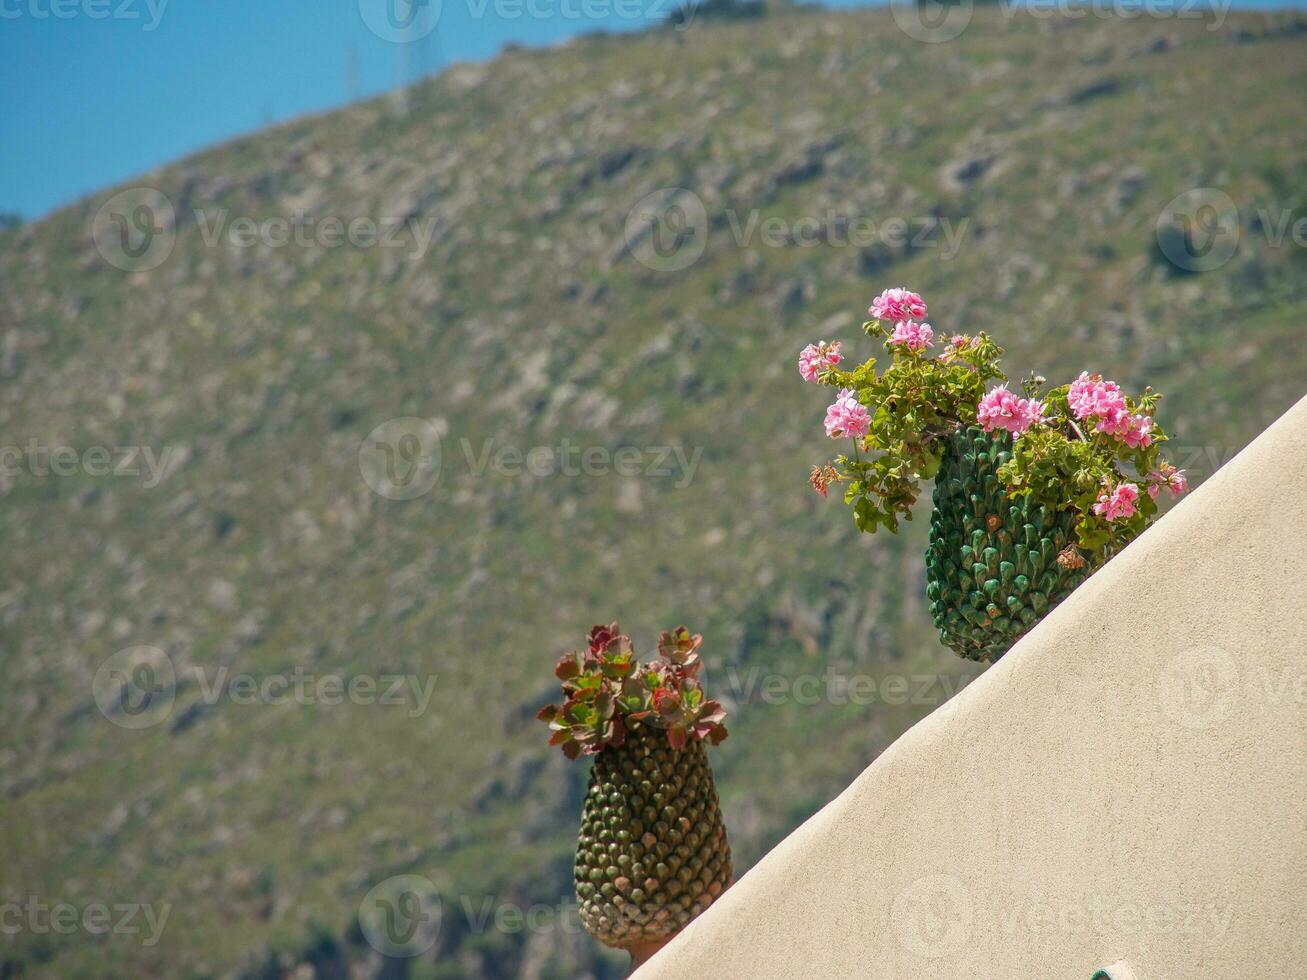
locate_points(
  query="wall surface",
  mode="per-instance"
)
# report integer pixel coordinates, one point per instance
(1127, 785)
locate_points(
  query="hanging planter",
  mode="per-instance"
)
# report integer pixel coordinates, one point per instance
(652, 852)
(1033, 491)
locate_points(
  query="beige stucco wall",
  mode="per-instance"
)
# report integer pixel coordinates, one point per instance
(1128, 784)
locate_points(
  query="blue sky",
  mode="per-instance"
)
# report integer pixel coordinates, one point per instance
(94, 92)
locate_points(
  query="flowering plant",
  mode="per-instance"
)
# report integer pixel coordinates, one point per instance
(606, 690)
(1083, 447)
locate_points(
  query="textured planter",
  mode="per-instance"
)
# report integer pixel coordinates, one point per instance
(995, 566)
(652, 853)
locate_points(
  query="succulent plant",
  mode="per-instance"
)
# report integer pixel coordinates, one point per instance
(652, 852)
(606, 691)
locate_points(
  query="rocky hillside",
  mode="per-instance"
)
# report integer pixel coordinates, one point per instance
(344, 630)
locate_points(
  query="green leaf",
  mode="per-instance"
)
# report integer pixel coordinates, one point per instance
(864, 515)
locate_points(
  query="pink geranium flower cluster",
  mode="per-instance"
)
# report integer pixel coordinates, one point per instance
(1135, 431)
(1117, 503)
(1092, 397)
(1000, 409)
(847, 416)
(1167, 476)
(815, 358)
(904, 309)
(912, 335)
(1082, 448)
(897, 304)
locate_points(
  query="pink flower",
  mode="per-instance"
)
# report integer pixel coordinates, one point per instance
(913, 335)
(897, 304)
(1139, 433)
(1171, 478)
(815, 358)
(1134, 430)
(1000, 409)
(1119, 503)
(847, 416)
(1115, 422)
(1094, 396)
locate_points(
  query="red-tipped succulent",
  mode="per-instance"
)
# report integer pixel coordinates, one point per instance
(605, 690)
